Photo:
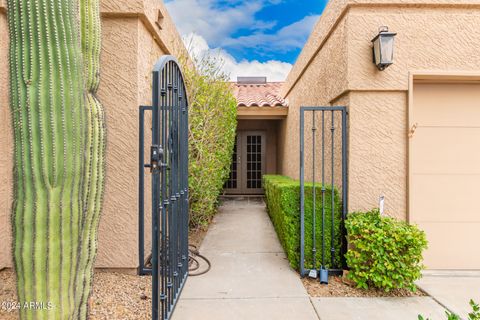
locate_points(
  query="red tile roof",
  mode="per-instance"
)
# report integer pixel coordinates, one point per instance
(259, 95)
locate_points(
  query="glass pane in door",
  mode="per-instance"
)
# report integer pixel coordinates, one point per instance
(232, 182)
(254, 161)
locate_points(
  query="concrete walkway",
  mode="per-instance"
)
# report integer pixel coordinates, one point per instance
(250, 279)
(250, 276)
(452, 289)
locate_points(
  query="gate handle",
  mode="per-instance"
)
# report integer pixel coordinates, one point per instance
(412, 130)
(156, 157)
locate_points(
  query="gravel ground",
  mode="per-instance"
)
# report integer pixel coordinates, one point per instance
(8, 294)
(115, 295)
(338, 288)
(121, 296)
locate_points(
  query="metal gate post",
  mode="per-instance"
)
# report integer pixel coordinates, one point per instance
(344, 186)
(302, 195)
(155, 200)
(339, 238)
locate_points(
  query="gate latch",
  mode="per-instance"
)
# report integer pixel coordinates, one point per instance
(156, 157)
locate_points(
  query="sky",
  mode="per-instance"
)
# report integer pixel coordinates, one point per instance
(251, 38)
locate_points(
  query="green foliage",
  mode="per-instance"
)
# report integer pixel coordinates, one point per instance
(474, 315)
(383, 252)
(283, 204)
(212, 128)
(59, 147)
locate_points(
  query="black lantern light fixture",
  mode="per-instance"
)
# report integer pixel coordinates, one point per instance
(383, 45)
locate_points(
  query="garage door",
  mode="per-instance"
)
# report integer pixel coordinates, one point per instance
(444, 186)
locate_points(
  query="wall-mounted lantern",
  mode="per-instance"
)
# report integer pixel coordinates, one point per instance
(383, 45)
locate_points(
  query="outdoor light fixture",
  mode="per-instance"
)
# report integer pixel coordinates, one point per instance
(383, 48)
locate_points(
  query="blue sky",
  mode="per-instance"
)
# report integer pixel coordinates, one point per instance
(253, 38)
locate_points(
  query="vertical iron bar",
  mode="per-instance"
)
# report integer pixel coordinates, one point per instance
(173, 172)
(323, 189)
(170, 188)
(179, 187)
(182, 186)
(155, 227)
(177, 194)
(344, 186)
(178, 246)
(180, 183)
(141, 196)
(302, 195)
(332, 244)
(185, 181)
(314, 235)
(164, 192)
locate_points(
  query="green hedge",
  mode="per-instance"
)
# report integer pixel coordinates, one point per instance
(283, 205)
(212, 128)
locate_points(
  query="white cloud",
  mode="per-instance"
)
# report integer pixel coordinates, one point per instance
(274, 70)
(290, 37)
(215, 22)
(209, 26)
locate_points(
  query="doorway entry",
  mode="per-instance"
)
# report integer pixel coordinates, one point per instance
(248, 163)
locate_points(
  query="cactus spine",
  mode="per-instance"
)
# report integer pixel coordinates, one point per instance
(59, 152)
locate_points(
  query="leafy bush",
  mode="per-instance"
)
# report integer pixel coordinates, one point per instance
(383, 252)
(212, 127)
(474, 315)
(283, 205)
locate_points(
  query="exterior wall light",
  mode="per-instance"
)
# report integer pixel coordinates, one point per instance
(383, 45)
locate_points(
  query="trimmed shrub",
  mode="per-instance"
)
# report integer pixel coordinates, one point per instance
(212, 128)
(383, 252)
(283, 205)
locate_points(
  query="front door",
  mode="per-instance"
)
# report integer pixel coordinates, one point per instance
(248, 164)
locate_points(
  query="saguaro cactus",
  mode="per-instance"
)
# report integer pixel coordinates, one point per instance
(59, 152)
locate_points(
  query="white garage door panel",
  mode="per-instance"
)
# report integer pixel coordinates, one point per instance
(452, 245)
(447, 104)
(446, 150)
(444, 181)
(445, 198)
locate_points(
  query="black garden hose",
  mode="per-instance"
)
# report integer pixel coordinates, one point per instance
(194, 258)
(194, 264)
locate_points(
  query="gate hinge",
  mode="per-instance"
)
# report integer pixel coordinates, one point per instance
(156, 157)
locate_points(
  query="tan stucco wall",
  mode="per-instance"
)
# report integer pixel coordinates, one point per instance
(131, 43)
(324, 79)
(439, 36)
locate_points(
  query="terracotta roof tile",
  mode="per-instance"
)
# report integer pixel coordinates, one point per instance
(259, 95)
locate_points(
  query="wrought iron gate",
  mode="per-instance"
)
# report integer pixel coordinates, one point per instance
(321, 202)
(168, 167)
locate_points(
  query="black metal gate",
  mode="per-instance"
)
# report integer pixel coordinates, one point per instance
(323, 190)
(168, 166)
